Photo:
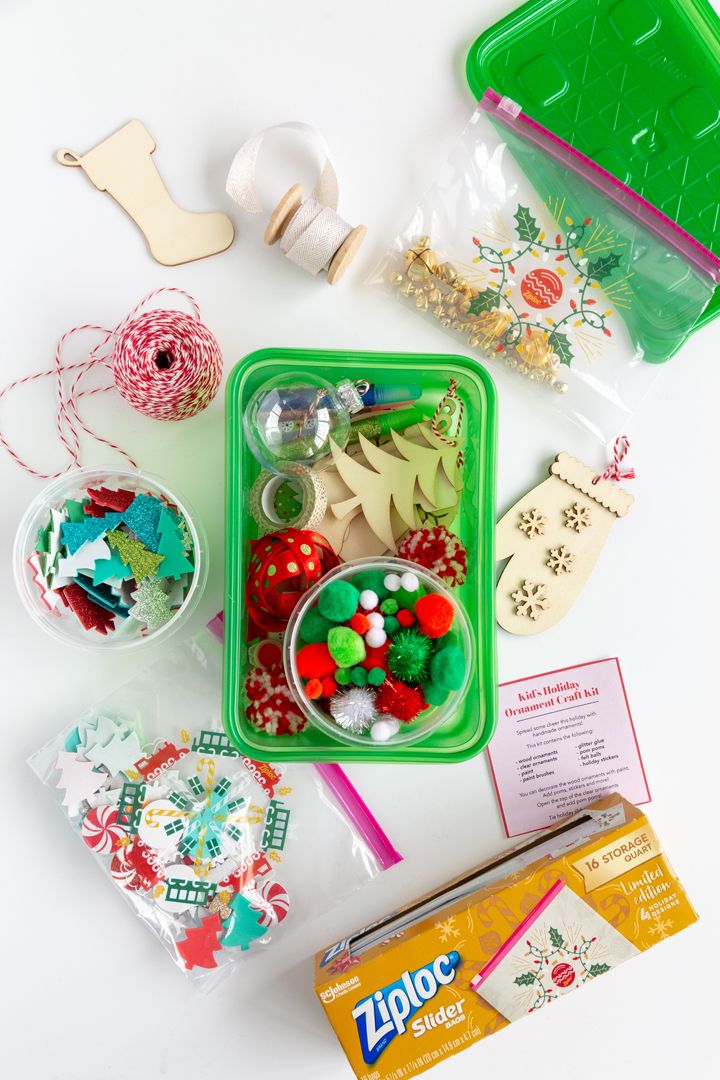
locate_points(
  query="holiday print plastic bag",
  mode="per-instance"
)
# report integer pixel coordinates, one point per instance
(216, 853)
(559, 946)
(545, 262)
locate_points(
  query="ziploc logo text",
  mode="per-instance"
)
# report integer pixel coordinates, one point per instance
(383, 1015)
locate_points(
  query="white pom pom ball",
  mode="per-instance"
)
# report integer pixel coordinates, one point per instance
(409, 582)
(368, 600)
(376, 618)
(382, 730)
(392, 582)
(375, 637)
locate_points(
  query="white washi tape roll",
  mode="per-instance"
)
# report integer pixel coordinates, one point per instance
(309, 488)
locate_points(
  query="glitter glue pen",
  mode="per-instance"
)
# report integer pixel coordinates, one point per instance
(380, 395)
(381, 424)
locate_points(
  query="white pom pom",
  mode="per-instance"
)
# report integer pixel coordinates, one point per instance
(409, 582)
(368, 600)
(375, 637)
(376, 618)
(382, 730)
(392, 582)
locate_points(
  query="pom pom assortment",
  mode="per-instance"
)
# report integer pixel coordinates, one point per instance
(121, 562)
(272, 707)
(438, 550)
(377, 670)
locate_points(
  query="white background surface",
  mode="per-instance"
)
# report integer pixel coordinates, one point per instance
(86, 991)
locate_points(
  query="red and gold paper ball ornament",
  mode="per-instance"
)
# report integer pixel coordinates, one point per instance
(283, 565)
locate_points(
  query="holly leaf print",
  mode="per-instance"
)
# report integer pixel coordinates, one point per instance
(486, 300)
(525, 980)
(561, 347)
(527, 226)
(603, 266)
(598, 969)
(556, 939)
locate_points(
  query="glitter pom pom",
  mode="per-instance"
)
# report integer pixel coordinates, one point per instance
(354, 709)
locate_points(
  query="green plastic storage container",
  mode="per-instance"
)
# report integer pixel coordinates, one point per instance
(634, 84)
(471, 727)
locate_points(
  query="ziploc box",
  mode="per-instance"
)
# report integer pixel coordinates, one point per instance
(506, 939)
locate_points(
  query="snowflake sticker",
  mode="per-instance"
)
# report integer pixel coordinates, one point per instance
(531, 599)
(532, 523)
(561, 560)
(577, 517)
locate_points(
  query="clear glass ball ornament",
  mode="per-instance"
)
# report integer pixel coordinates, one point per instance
(291, 421)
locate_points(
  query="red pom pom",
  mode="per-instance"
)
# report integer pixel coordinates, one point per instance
(396, 698)
(377, 657)
(314, 661)
(434, 614)
(329, 687)
(405, 617)
(313, 689)
(360, 623)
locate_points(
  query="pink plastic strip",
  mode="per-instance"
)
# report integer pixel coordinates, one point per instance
(516, 935)
(346, 794)
(668, 230)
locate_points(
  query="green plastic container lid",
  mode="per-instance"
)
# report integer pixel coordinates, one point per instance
(634, 84)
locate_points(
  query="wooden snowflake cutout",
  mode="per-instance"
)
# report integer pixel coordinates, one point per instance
(577, 517)
(532, 523)
(531, 599)
(561, 560)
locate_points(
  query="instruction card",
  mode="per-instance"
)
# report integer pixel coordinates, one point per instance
(564, 739)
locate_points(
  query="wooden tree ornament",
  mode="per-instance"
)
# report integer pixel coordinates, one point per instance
(122, 165)
(553, 536)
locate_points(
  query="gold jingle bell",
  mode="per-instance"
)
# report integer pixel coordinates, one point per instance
(421, 260)
(489, 327)
(537, 355)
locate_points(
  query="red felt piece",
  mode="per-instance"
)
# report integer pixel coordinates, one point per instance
(314, 661)
(434, 614)
(111, 500)
(200, 943)
(89, 614)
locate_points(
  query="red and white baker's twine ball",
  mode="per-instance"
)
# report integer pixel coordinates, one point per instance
(164, 363)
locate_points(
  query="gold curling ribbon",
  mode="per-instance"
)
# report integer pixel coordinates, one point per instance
(619, 856)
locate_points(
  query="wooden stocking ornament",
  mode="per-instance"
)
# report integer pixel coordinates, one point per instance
(553, 536)
(122, 165)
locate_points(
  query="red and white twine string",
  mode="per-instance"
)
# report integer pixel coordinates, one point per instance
(614, 470)
(130, 352)
(452, 392)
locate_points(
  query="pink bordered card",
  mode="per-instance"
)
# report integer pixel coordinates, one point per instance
(564, 738)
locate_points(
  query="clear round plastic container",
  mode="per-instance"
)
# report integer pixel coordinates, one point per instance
(60, 622)
(429, 719)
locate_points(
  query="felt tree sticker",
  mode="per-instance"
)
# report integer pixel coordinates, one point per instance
(554, 536)
(78, 779)
(242, 927)
(134, 553)
(200, 943)
(175, 562)
(392, 483)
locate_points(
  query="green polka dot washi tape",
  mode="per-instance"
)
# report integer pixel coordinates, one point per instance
(298, 501)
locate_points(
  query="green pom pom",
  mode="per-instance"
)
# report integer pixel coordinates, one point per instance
(371, 579)
(338, 602)
(343, 676)
(376, 676)
(409, 655)
(390, 624)
(346, 647)
(359, 676)
(447, 668)
(434, 695)
(314, 627)
(409, 599)
(389, 606)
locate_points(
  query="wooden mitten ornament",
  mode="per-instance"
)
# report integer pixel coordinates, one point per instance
(553, 536)
(122, 165)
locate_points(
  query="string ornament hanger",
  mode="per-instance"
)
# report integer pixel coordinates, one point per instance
(164, 362)
(310, 231)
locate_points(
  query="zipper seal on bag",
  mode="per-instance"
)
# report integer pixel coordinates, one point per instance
(510, 113)
(360, 814)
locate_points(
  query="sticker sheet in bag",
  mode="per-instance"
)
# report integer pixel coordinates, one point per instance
(215, 852)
